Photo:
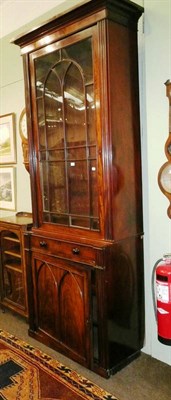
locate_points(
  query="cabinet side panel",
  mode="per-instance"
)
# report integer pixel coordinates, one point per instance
(125, 300)
(125, 131)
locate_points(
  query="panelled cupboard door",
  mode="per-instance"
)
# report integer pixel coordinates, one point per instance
(62, 312)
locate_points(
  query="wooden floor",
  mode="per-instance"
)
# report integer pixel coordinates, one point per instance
(143, 379)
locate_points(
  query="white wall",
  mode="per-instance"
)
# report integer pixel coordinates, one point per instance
(155, 69)
(12, 101)
(155, 121)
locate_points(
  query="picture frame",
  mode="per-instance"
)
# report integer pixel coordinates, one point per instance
(7, 139)
(7, 188)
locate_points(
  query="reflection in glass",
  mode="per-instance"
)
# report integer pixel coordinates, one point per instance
(74, 100)
(78, 186)
(13, 287)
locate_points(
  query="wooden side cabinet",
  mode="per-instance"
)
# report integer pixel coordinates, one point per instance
(13, 286)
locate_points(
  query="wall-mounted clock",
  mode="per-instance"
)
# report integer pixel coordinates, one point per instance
(23, 125)
(164, 175)
(24, 137)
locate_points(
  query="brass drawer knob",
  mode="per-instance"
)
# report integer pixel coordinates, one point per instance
(43, 244)
(75, 250)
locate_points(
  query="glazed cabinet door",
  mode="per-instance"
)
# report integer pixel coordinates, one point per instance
(62, 312)
(65, 133)
(12, 274)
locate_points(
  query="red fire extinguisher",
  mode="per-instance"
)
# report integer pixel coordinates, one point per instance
(162, 273)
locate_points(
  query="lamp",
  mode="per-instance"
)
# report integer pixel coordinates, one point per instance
(164, 175)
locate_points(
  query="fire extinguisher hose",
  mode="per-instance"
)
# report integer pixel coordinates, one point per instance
(153, 287)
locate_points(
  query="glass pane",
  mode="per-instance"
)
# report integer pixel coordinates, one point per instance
(43, 155)
(41, 122)
(53, 111)
(54, 187)
(74, 98)
(80, 221)
(45, 187)
(81, 52)
(92, 152)
(78, 188)
(56, 218)
(77, 153)
(93, 187)
(95, 226)
(56, 155)
(61, 68)
(57, 188)
(13, 287)
(44, 64)
(60, 219)
(91, 114)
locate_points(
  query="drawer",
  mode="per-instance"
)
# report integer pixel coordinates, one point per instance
(58, 248)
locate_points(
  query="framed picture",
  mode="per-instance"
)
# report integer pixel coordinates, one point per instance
(7, 139)
(7, 188)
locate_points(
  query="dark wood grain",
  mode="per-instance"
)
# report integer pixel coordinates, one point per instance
(85, 252)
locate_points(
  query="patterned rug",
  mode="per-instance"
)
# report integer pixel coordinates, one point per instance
(26, 373)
